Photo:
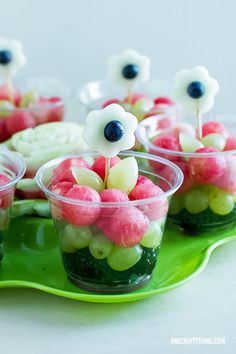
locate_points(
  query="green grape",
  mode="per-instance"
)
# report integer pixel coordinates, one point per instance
(122, 258)
(221, 202)
(176, 204)
(189, 143)
(195, 201)
(152, 238)
(216, 141)
(6, 108)
(86, 177)
(74, 238)
(100, 246)
(28, 98)
(141, 107)
(123, 175)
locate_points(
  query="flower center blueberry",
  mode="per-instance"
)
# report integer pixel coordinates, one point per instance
(130, 71)
(196, 89)
(5, 57)
(114, 131)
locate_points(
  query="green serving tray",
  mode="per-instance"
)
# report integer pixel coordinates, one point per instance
(32, 260)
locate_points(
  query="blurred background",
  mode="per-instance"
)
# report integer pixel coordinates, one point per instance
(72, 39)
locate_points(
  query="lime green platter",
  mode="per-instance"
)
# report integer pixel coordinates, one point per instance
(32, 260)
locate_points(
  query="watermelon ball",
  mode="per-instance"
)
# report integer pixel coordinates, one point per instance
(164, 100)
(4, 94)
(169, 142)
(230, 143)
(228, 179)
(143, 180)
(111, 101)
(207, 170)
(99, 165)
(4, 134)
(61, 188)
(7, 195)
(56, 113)
(112, 195)
(125, 226)
(155, 210)
(19, 120)
(63, 173)
(214, 127)
(188, 180)
(135, 98)
(81, 215)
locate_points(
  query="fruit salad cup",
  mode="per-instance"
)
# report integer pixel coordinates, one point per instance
(29, 103)
(12, 168)
(206, 199)
(149, 99)
(109, 239)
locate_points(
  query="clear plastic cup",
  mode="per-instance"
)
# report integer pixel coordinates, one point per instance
(95, 94)
(31, 102)
(111, 247)
(12, 169)
(207, 197)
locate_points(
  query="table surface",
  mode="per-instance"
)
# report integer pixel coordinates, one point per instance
(32, 322)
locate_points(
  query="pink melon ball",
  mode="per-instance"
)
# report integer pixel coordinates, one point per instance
(214, 127)
(19, 120)
(164, 100)
(228, 179)
(63, 173)
(154, 210)
(230, 143)
(81, 215)
(6, 195)
(112, 195)
(108, 102)
(4, 94)
(135, 97)
(4, 134)
(99, 165)
(125, 227)
(188, 180)
(61, 188)
(143, 180)
(169, 142)
(207, 169)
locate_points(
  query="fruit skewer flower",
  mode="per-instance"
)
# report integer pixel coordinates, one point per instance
(12, 58)
(194, 90)
(110, 131)
(127, 69)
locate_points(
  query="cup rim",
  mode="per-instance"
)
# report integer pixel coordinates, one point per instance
(141, 138)
(47, 105)
(171, 191)
(13, 157)
(79, 92)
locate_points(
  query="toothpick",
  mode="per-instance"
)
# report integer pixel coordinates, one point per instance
(199, 123)
(107, 168)
(10, 89)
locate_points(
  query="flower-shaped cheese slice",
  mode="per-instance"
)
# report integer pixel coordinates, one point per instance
(110, 130)
(128, 67)
(12, 57)
(194, 90)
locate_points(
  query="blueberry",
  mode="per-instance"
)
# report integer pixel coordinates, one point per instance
(113, 131)
(130, 71)
(5, 57)
(196, 89)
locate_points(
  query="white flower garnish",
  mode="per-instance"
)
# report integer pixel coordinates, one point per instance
(45, 142)
(194, 90)
(110, 130)
(128, 67)
(12, 57)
